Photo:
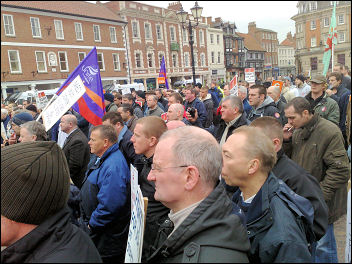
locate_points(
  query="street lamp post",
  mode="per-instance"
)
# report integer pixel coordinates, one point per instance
(182, 16)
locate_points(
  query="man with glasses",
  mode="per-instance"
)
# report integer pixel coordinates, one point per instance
(203, 224)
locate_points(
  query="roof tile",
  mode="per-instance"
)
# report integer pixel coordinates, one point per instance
(250, 42)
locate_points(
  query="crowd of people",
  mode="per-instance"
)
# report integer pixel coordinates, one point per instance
(256, 173)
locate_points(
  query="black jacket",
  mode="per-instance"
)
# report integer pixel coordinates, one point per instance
(305, 185)
(77, 154)
(267, 108)
(213, 232)
(164, 103)
(55, 240)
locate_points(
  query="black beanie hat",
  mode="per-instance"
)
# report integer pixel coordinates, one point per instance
(35, 181)
(109, 97)
(22, 118)
(32, 108)
(141, 94)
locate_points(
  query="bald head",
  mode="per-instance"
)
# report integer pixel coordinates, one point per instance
(175, 112)
(174, 124)
(68, 123)
(274, 92)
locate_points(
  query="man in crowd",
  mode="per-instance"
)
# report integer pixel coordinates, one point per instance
(175, 112)
(298, 179)
(317, 145)
(340, 94)
(32, 109)
(153, 107)
(175, 98)
(262, 104)
(16, 121)
(109, 103)
(216, 94)
(226, 90)
(275, 232)
(174, 124)
(346, 79)
(35, 221)
(192, 102)
(287, 89)
(5, 119)
(126, 111)
(76, 149)
(145, 138)
(205, 97)
(320, 102)
(123, 136)
(105, 196)
(161, 99)
(117, 98)
(275, 93)
(33, 131)
(203, 225)
(137, 109)
(242, 93)
(302, 88)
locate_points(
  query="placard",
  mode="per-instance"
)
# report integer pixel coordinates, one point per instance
(249, 75)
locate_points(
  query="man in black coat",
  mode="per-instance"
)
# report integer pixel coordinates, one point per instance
(297, 178)
(76, 149)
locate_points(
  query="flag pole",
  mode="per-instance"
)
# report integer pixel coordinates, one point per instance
(332, 56)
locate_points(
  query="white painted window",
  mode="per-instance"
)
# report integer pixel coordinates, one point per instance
(8, 25)
(187, 59)
(63, 61)
(14, 61)
(313, 6)
(150, 60)
(138, 60)
(219, 56)
(159, 32)
(326, 22)
(81, 56)
(41, 62)
(217, 39)
(79, 31)
(313, 42)
(201, 37)
(35, 26)
(341, 37)
(96, 30)
(172, 33)
(211, 38)
(340, 19)
(147, 31)
(174, 60)
(212, 57)
(116, 61)
(313, 25)
(113, 38)
(59, 30)
(161, 55)
(101, 61)
(135, 29)
(202, 59)
(184, 35)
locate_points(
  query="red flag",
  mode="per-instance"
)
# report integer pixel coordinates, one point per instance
(233, 82)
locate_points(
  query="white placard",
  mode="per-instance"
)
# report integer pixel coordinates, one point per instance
(65, 100)
(249, 75)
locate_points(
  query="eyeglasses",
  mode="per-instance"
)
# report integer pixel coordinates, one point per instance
(160, 169)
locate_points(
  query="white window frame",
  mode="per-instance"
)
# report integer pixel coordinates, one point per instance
(113, 37)
(40, 32)
(326, 19)
(135, 22)
(201, 37)
(202, 60)
(185, 36)
(57, 24)
(149, 26)
(343, 19)
(79, 59)
(66, 60)
(172, 29)
(313, 25)
(218, 39)
(212, 57)
(313, 6)
(19, 61)
(11, 25)
(211, 38)
(160, 57)
(141, 59)
(36, 60)
(219, 57)
(152, 57)
(81, 32)
(172, 59)
(341, 34)
(98, 27)
(102, 58)
(116, 55)
(161, 32)
(187, 59)
(311, 42)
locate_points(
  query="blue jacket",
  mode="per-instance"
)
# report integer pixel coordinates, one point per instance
(202, 112)
(246, 106)
(277, 223)
(342, 98)
(106, 202)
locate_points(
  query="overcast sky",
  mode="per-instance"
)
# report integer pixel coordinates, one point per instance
(274, 15)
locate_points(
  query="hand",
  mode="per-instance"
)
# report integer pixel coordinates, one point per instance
(13, 139)
(288, 131)
(192, 119)
(329, 92)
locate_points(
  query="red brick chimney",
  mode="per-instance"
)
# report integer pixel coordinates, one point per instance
(176, 6)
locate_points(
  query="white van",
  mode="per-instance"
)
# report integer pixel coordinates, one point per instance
(30, 95)
(126, 88)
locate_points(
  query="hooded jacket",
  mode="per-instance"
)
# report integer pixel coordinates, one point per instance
(318, 147)
(342, 97)
(213, 232)
(276, 223)
(267, 108)
(209, 107)
(54, 240)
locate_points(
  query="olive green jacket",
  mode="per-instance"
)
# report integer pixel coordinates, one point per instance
(318, 147)
(328, 109)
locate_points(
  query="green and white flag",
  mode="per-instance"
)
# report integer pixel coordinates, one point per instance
(332, 40)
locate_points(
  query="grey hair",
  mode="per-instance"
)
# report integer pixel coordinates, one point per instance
(242, 89)
(235, 101)
(37, 129)
(155, 98)
(197, 147)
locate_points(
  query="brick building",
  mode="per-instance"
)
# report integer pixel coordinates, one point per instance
(254, 54)
(154, 32)
(286, 55)
(268, 39)
(312, 28)
(42, 42)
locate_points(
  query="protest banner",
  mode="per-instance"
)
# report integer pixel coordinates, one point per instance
(249, 75)
(234, 85)
(137, 223)
(41, 99)
(67, 98)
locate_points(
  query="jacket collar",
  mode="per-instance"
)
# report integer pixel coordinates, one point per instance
(308, 128)
(122, 133)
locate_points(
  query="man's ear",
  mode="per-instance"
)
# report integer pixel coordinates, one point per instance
(253, 166)
(153, 141)
(192, 177)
